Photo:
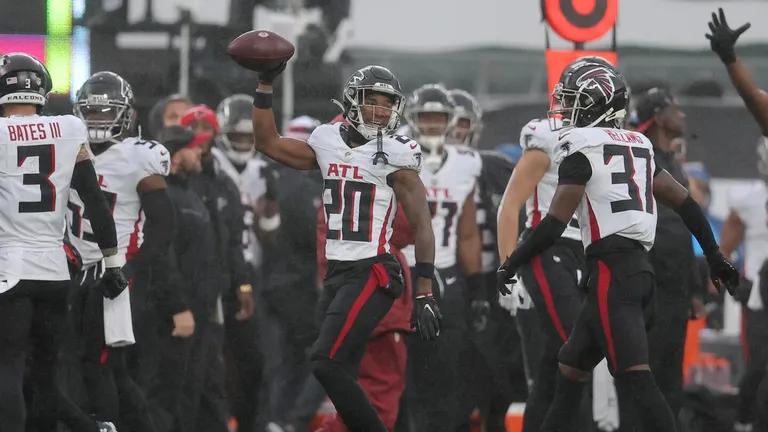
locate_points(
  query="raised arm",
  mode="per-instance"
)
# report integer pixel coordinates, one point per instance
(527, 174)
(723, 40)
(291, 152)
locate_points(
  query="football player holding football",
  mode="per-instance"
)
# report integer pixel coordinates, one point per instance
(367, 171)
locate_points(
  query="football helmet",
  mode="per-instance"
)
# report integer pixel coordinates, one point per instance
(588, 95)
(23, 80)
(431, 98)
(236, 139)
(468, 109)
(376, 79)
(105, 103)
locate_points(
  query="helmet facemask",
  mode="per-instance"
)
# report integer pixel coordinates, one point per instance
(107, 120)
(427, 127)
(370, 119)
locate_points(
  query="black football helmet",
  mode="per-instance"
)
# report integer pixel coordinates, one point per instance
(236, 139)
(431, 98)
(467, 108)
(23, 80)
(105, 103)
(589, 95)
(375, 79)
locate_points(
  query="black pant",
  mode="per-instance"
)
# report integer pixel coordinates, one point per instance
(666, 336)
(757, 360)
(112, 395)
(436, 385)
(355, 298)
(552, 281)
(243, 367)
(33, 315)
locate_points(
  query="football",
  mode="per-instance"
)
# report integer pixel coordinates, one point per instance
(260, 50)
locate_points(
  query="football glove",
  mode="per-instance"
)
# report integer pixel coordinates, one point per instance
(723, 38)
(112, 283)
(505, 275)
(426, 317)
(269, 76)
(723, 273)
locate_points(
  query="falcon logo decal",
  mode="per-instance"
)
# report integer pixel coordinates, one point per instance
(598, 78)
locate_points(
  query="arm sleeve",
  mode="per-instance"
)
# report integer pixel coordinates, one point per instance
(85, 183)
(575, 170)
(158, 230)
(699, 226)
(169, 292)
(542, 237)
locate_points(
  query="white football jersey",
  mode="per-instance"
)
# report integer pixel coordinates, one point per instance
(119, 169)
(252, 184)
(37, 159)
(359, 202)
(619, 195)
(537, 135)
(447, 190)
(749, 203)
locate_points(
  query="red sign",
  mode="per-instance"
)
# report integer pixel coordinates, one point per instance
(581, 20)
(557, 60)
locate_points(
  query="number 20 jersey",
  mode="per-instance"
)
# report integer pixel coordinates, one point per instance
(37, 159)
(359, 202)
(119, 170)
(619, 196)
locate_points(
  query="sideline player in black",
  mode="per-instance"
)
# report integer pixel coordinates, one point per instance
(662, 120)
(43, 156)
(608, 174)
(367, 172)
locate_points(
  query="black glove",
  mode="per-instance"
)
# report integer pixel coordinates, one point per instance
(269, 76)
(723, 38)
(723, 273)
(505, 275)
(426, 317)
(112, 283)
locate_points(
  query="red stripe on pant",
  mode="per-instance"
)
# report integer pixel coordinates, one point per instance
(546, 292)
(603, 284)
(370, 287)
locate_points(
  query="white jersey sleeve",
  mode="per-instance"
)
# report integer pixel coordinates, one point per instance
(155, 158)
(536, 135)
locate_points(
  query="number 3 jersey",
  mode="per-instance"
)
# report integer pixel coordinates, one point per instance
(358, 198)
(119, 169)
(37, 159)
(447, 189)
(618, 198)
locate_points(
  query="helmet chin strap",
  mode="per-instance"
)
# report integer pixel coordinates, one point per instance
(380, 155)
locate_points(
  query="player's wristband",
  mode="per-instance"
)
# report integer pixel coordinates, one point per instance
(425, 270)
(117, 260)
(262, 99)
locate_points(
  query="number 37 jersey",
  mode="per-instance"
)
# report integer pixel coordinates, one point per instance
(359, 202)
(119, 170)
(37, 159)
(619, 195)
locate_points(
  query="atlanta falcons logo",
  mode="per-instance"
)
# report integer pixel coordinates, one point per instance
(600, 79)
